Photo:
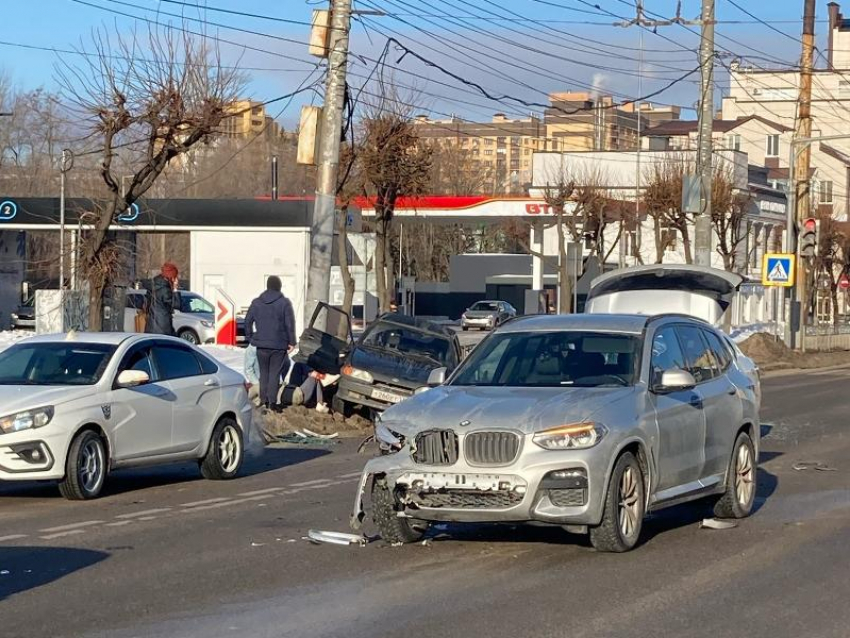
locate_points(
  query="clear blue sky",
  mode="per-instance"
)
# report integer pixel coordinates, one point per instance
(65, 24)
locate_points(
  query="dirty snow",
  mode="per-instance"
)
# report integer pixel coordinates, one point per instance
(742, 333)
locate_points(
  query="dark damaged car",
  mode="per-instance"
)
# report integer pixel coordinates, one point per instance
(394, 358)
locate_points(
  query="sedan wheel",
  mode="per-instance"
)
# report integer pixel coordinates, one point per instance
(85, 468)
(226, 451)
(740, 495)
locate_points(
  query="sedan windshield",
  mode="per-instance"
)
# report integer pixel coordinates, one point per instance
(195, 304)
(409, 342)
(54, 363)
(485, 306)
(552, 359)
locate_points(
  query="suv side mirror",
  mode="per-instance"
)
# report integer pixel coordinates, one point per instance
(674, 381)
(132, 378)
(437, 377)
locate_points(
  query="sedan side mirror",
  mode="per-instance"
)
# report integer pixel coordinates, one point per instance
(675, 380)
(437, 377)
(132, 378)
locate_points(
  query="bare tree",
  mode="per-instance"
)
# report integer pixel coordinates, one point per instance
(156, 107)
(394, 164)
(558, 194)
(729, 218)
(455, 172)
(663, 199)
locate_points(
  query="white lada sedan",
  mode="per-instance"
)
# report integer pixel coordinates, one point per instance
(74, 407)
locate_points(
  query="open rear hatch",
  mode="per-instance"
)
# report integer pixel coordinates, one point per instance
(697, 291)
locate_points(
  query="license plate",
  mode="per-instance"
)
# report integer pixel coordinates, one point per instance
(389, 397)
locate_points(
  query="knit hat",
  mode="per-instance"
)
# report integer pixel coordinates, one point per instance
(169, 270)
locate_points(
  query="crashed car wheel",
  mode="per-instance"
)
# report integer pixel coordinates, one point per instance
(622, 518)
(740, 494)
(393, 529)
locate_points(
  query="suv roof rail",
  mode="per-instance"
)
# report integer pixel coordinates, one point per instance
(676, 315)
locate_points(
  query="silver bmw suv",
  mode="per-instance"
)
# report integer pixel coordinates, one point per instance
(581, 421)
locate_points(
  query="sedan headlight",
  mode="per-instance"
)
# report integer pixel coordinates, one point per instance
(360, 375)
(14, 316)
(207, 324)
(387, 439)
(574, 436)
(25, 420)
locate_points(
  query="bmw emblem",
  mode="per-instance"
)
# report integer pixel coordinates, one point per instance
(463, 424)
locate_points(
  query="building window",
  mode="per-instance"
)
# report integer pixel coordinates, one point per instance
(488, 142)
(826, 192)
(668, 239)
(516, 141)
(527, 151)
(515, 164)
(733, 142)
(525, 163)
(843, 89)
(772, 146)
(488, 151)
(475, 151)
(630, 238)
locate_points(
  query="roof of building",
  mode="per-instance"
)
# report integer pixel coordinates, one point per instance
(833, 152)
(684, 127)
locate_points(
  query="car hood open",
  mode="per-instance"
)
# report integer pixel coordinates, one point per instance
(525, 409)
(697, 291)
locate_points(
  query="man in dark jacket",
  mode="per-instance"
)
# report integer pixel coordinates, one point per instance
(270, 327)
(160, 319)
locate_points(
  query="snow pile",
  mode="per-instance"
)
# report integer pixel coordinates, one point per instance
(230, 356)
(740, 334)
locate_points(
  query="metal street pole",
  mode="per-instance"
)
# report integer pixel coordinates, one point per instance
(322, 227)
(67, 162)
(274, 178)
(702, 233)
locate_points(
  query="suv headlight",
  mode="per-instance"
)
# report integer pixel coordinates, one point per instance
(14, 316)
(207, 324)
(360, 375)
(574, 436)
(387, 439)
(25, 420)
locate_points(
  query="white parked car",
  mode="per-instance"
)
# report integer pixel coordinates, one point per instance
(76, 406)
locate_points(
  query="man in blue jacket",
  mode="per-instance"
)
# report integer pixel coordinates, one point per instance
(270, 327)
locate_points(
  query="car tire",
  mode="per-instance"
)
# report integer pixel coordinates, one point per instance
(226, 451)
(624, 509)
(392, 528)
(342, 407)
(85, 467)
(738, 500)
(189, 335)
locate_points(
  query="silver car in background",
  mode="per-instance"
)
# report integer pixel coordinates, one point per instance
(487, 315)
(581, 421)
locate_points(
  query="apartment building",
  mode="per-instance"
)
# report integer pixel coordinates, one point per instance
(249, 119)
(772, 94)
(573, 122)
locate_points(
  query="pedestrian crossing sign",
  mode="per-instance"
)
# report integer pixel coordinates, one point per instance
(778, 270)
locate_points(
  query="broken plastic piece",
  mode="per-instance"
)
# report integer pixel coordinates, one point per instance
(716, 523)
(4, 572)
(318, 537)
(253, 544)
(321, 436)
(813, 465)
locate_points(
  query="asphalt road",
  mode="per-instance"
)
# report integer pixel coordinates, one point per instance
(166, 554)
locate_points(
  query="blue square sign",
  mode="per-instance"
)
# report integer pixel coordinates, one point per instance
(778, 269)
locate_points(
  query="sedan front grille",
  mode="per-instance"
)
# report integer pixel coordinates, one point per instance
(436, 447)
(491, 448)
(463, 499)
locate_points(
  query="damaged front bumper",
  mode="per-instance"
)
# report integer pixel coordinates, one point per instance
(559, 488)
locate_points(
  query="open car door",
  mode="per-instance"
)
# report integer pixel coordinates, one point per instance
(697, 291)
(325, 343)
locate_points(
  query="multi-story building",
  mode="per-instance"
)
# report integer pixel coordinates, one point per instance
(573, 122)
(249, 119)
(772, 95)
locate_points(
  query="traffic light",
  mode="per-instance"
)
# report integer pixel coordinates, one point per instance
(809, 238)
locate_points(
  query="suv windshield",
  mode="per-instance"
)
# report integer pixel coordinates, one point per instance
(54, 363)
(552, 359)
(485, 306)
(408, 341)
(195, 304)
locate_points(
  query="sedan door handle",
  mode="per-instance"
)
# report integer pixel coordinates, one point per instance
(211, 383)
(733, 391)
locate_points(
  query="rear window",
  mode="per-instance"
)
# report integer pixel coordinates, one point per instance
(410, 342)
(54, 363)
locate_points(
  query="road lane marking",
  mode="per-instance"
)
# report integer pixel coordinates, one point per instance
(214, 506)
(62, 528)
(70, 532)
(206, 502)
(12, 537)
(308, 483)
(144, 513)
(118, 524)
(350, 475)
(269, 490)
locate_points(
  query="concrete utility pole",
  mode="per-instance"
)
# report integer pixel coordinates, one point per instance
(705, 171)
(802, 199)
(322, 227)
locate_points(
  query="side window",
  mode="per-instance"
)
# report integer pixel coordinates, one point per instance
(208, 366)
(720, 350)
(176, 362)
(666, 354)
(139, 359)
(698, 356)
